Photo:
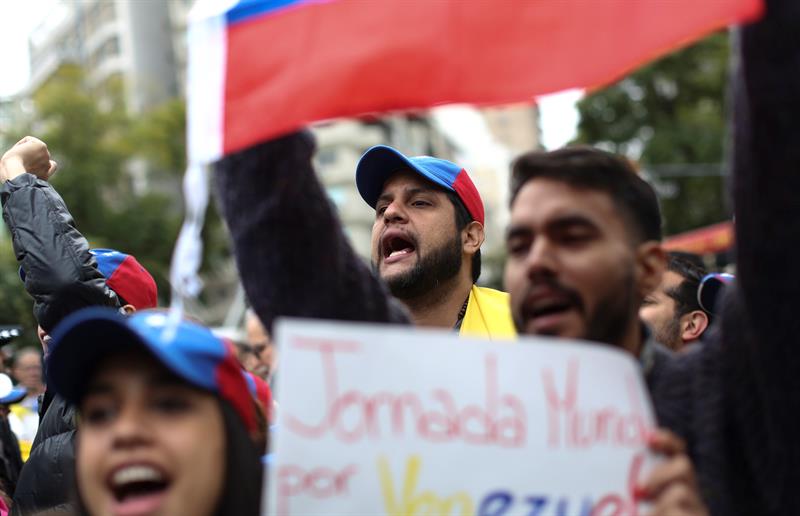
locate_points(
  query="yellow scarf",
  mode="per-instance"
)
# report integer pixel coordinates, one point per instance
(488, 315)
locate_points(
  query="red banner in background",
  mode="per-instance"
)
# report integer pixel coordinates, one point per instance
(710, 239)
(292, 62)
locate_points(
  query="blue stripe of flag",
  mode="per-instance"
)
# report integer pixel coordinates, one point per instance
(246, 9)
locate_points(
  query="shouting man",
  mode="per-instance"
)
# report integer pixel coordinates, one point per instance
(426, 241)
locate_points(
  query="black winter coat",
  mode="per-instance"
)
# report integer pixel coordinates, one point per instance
(62, 277)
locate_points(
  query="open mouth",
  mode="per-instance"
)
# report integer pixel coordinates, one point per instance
(545, 314)
(549, 308)
(137, 488)
(396, 247)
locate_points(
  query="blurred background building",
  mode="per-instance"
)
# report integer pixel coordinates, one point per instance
(139, 41)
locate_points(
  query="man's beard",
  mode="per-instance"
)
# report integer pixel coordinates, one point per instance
(670, 334)
(430, 271)
(612, 316)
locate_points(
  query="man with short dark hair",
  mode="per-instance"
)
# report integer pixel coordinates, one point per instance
(583, 247)
(426, 241)
(583, 252)
(673, 310)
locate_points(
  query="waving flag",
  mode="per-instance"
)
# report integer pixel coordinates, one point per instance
(260, 68)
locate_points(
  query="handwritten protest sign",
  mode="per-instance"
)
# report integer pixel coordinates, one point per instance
(385, 420)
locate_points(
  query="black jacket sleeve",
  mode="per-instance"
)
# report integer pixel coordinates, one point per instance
(60, 273)
(293, 257)
(47, 480)
(762, 360)
(735, 400)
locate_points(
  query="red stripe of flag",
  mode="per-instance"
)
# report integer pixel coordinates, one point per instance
(342, 58)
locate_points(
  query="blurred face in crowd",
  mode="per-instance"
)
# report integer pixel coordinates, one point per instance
(573, 269)
(415, 245)
(261, 345)
(659, 311)
(28, 370)
(148, 443)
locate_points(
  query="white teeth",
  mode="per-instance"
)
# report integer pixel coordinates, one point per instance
(402, 251)
(136, 474)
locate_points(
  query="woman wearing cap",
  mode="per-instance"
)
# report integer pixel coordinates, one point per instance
(167, 424)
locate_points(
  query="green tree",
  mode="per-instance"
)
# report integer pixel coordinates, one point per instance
(101, 150)
(160, 137)
(16, 307)
(97, 145)
(670, 116)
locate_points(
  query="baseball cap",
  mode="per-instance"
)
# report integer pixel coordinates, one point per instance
(125, 276)
(8, 393)
(381, 161)
(191, 352)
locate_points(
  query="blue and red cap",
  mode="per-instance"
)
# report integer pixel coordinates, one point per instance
(125, 276)
(191, 352)
(381, 161)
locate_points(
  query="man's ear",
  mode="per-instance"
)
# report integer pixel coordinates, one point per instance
(128, 309)
(651, 262)
(693, 325)
(472, 237)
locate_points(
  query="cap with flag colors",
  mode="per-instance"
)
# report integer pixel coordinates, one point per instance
(125, 276)
(380, 162)
(191, 352)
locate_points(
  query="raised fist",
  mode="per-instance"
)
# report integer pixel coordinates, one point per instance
(27, 155)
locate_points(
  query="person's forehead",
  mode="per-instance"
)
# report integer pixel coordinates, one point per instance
(405, 178)
(542, 200)
(122, 367)
(670, 281)
(29, 358)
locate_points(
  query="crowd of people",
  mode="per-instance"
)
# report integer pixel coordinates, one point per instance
(139, 416)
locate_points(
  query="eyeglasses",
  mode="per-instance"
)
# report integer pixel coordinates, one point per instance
(255, 349)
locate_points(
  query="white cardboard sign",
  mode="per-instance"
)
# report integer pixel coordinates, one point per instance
(400, 421)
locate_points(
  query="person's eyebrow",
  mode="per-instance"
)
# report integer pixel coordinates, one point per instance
(571, 221)
(518, 232)
(408, 192)
(165, 380)
(98, 388)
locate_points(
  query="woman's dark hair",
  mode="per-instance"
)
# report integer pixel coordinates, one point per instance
(241, 490)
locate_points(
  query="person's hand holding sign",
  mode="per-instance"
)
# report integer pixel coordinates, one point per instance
(671, 486)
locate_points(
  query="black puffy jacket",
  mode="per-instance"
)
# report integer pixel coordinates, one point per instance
(62, 277)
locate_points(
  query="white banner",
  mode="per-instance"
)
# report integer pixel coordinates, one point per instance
(398, 421)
